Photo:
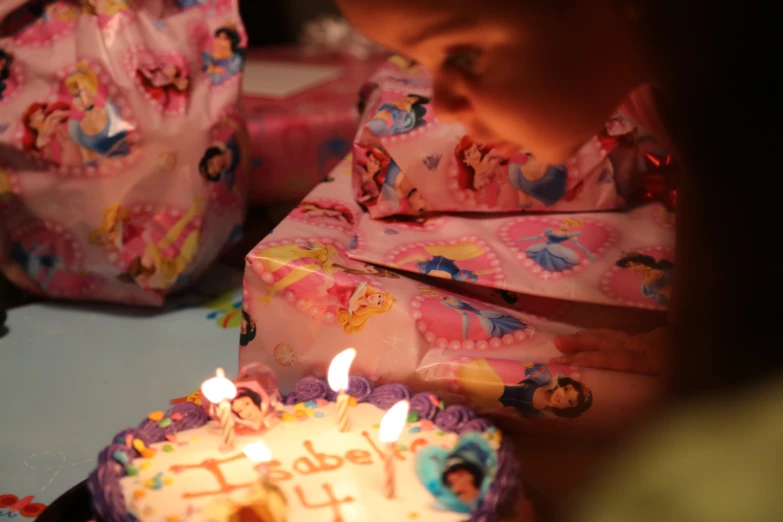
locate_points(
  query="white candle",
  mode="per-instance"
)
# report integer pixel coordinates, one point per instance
(338, 381)
(392, 425)
(259, 452)
(219, 390)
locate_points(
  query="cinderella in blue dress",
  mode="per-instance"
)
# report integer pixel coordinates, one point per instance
(111, 141)
(553, 255)
(444, 264)
(496, 324)
(549, 189)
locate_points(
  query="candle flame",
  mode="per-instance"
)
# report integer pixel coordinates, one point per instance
(218, 388)
(258, 452)
(393, 422)
(338, 369)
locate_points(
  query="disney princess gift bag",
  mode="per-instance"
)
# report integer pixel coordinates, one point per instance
(122, 149)
(406, 162)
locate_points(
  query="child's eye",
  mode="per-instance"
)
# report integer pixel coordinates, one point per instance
(464, 60)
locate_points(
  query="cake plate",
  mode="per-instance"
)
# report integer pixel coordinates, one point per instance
(71, 506)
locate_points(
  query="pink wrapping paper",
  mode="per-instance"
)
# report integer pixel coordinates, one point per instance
(406, 162)
(297, 141)
(122, 148)
(592, 258)
(307, 297)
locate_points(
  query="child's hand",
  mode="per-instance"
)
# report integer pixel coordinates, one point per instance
(614, 350)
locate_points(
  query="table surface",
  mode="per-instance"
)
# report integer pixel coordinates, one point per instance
(73, 375)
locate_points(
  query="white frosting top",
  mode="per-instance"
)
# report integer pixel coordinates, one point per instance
(325, 475)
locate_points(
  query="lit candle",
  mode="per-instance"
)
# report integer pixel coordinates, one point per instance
(338, 381)
(265, 500)
(392, 425)
(219, 390)
(259, 452)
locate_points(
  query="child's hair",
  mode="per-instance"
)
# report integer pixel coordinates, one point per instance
(250, 332)
(254, 396)
(583, 403)
(356, 321)
(203, 165)
(643, 259)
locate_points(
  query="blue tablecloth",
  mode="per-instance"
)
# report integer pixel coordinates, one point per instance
(71, 376)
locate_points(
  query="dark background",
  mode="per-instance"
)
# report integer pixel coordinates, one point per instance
(279, 22)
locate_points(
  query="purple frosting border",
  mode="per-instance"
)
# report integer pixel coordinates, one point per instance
(104, 481)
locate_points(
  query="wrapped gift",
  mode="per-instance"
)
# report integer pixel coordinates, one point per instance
(122, 159)
(406, 162)
(315, 296)
(301, 112)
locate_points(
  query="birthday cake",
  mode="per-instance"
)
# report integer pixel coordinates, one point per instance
(446, 464)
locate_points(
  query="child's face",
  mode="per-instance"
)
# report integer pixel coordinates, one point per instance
(543, 77)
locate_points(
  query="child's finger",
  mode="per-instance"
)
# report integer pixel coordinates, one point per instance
(591, 340)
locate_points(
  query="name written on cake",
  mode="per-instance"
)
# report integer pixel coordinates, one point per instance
(319, 462)
(313, 462)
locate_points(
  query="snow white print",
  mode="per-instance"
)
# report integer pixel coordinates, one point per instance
(552, 254)
(536, 394)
